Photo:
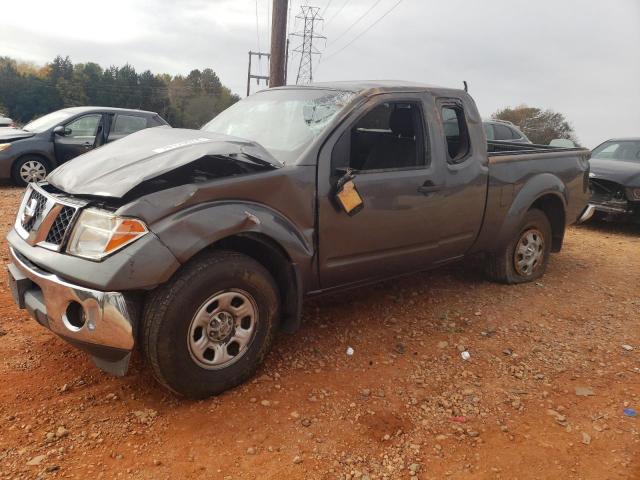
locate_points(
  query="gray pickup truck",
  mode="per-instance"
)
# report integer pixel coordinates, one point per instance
(197, 245)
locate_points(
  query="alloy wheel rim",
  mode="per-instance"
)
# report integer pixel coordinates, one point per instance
(33, 171)
(529, 253)
(222, 329)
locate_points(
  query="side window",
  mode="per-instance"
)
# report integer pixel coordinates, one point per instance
(502, 132)
(515, 134)
(488, 131)
(387, 137)
(127, 124)
(455, 130)
(83, 127)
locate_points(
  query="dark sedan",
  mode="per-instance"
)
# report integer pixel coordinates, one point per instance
(615, 178)
(29, 154)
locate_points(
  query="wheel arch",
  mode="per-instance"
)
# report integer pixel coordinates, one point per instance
(277, 261)
(51, 162)
(545, 192)
(251, 229)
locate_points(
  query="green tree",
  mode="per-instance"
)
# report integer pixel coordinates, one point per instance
(27, 91)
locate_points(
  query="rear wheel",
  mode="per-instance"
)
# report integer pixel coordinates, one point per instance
(208, 329)
(29, 168)
(526, 257)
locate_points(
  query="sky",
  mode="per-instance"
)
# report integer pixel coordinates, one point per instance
(577, 57)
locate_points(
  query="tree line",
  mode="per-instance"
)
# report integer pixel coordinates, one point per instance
(28, 91)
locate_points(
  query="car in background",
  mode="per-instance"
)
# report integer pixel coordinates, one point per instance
(503, 131)
(614, 179)
(562, 143)
(6, 122)
(30, 153)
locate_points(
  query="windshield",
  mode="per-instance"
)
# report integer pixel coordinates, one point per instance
(46, 122)
(284, 122)
(626, 150)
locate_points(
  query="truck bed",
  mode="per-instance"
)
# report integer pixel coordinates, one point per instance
(499, 148)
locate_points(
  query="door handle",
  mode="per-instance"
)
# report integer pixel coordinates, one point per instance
(428, 187)
(87, 144)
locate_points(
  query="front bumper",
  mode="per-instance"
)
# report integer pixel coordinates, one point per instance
(614, 207)
(98, 322)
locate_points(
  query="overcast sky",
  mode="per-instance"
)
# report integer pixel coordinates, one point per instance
(579, 57)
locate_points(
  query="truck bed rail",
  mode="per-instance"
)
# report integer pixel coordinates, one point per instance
(500, 148)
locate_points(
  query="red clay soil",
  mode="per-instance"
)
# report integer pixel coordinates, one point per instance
(552, 367)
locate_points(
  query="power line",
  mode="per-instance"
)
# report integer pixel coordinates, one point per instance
(337, 13)
(326, 9)
(355, 23)
(365, 30)
(268, 21)
(258, 35)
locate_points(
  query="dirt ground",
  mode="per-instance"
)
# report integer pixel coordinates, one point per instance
(552, 367)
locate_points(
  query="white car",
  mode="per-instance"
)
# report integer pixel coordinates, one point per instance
(6, 122)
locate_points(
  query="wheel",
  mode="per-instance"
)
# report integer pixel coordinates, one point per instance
(28, 169)
(208, 328)
(525, 258)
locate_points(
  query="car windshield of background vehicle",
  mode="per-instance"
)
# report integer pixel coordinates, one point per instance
(628, 150)
(284, 122)
(45, 123)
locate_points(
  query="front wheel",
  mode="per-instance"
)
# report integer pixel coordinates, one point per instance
(208, 329)
(29, 169)
(526, 257)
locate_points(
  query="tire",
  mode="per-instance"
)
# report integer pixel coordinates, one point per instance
(29, 166)
(534, 238)
(194, 309)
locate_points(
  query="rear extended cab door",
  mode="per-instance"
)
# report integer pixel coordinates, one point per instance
(462, 148)
(412, 217)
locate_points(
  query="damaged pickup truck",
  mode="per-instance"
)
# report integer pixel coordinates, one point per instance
(196, 246)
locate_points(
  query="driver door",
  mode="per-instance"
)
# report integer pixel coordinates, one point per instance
(79, 137)
(388, 152)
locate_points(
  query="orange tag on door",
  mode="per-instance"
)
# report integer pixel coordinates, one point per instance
(349, 197)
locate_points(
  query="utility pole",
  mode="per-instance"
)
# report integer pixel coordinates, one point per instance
(277, 63)
(310, 17)
(252, 75)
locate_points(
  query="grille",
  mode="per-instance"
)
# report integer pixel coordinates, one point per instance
(41, 203)
(60, 225)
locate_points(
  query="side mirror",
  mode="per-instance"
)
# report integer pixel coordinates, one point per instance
(61, 130)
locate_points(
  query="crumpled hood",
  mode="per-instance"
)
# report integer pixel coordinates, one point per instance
(626, 173)
(116, 168)
(9, 134)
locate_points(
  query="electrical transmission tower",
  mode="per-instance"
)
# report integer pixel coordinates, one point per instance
(309, 16)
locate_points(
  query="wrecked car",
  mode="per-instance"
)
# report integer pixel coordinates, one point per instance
(615, 179)
(196, 246)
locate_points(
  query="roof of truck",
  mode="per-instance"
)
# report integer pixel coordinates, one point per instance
(360, 86)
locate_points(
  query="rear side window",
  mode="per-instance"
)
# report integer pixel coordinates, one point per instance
(456, 133)
(126, 124)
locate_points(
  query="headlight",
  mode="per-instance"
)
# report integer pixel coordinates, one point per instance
(634, 193)
(98, 233)
(4, 146)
